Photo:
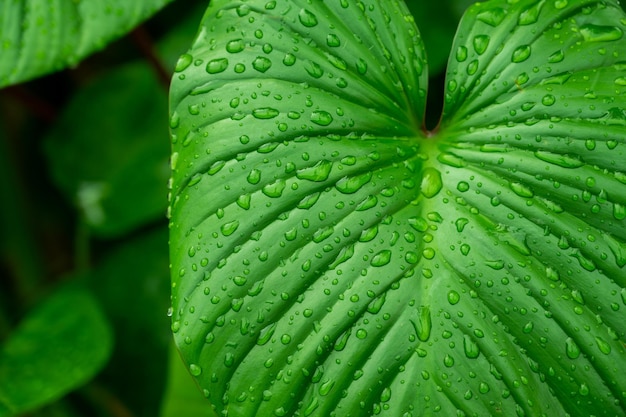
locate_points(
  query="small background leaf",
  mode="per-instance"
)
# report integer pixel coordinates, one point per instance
(114, 164)
(60, 345)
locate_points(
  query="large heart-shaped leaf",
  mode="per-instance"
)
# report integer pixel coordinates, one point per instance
(332, 257)
(40, 36)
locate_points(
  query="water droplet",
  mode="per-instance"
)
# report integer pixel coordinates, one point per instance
(215, 66)
(313, 69)
(319, 172)
(448, 361)
(460, 224)
(564, 161)
(349, 185)
(424, 324)
(307, 18)
(321, 118)
(333, 40)
(560, 4)
(431, 182)
(361, 66)
(326, 387)
(548, 100)
(183, 62)
(558, 56)
(361, 334)
(229, 228)
(381, 258)
(265, 113)
(289, 59)
(571, 349)
(195, 370)
(243, 10)
(521, 190)
(530, 15)
(461, 54)
(254, 176)
(621, 81)
(520, 54)
(236, 45)
(603, 345)
(596, 33)
(462, 186)
(470, 347)
(453, 297)
(481, 43)
(492, 17)
(275, 189)
(261, 64)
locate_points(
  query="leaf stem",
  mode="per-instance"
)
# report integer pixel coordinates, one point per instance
(141, 38)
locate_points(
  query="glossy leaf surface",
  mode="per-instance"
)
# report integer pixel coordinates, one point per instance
(59, 346)
(330, 257)
(39, 36)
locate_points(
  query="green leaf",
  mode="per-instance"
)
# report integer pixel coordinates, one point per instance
(114, 164)
(331, 257)
(39, 37)
(59, 346)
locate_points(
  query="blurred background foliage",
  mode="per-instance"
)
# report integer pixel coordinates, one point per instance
(84, 295)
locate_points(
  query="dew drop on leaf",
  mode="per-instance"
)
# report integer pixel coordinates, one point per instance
(361, 334)
(261, 64)
(431, 182)
(596, 33)
(480, 43)
(215, 66)
(571, 349)
(321, 118)
(265, 113)
(461, 53)
(195, 370)
(319, 172)
(274, 189)
(453, 297)
(307, 18)
(470, 347)
(492, 17)
(183, 62)
(603, 345)
(333, 40)
(235, 46)
(530, 15)
(229, 228)
(558, 56)
(254, 176)
(289, 59)
(520, 54)
(423, 326)
(349, 185)
(381, 258)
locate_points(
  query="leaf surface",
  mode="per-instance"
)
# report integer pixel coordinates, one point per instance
(330, 257)
(39, 36)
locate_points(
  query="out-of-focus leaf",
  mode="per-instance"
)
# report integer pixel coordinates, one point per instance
(59, 346)
(176, 40)
(132, 285)
(183, 398)
(40, 36)
(109, 151)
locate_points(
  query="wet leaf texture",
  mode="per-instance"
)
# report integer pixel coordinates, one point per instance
(332, 258)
